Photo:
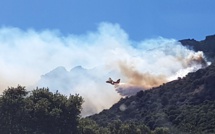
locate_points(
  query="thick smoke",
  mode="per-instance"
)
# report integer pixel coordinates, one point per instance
(25, 56)
(145, 80)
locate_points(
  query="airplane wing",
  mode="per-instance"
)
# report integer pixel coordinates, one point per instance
(117, 82)
(113, 82)
(108, 82)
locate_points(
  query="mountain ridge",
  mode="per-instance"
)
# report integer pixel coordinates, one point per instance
(207, 46)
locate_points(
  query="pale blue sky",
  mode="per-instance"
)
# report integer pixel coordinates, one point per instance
(141, 19)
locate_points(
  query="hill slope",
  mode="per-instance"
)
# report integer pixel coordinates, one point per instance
(186, 104)
(207, 46)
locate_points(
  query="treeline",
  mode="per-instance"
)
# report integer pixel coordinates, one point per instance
(88, 126)
(42, 112)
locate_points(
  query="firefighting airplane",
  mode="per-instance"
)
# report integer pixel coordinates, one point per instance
(113, 82)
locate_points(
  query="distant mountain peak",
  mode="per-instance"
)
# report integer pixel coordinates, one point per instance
(77, 68)
(60, 68)
(55, 72)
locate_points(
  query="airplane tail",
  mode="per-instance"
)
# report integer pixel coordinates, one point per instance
(118, 81)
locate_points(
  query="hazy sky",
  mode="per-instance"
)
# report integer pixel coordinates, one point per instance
(141, 19)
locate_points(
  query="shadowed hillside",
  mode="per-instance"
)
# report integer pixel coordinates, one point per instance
(207, 46)
(183, 105)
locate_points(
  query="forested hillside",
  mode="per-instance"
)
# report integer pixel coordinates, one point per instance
(183, 105)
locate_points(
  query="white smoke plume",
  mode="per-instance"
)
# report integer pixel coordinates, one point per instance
(108, 52)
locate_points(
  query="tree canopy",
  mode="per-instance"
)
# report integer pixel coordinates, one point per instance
(39, 111)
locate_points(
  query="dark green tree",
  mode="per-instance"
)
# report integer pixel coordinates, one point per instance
(13, 115)
(39, 112)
